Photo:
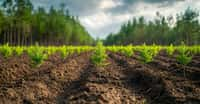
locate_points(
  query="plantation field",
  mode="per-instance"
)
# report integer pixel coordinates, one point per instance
(113, 74)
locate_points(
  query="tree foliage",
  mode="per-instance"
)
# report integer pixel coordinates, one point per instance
(163, 30)
(20, 24)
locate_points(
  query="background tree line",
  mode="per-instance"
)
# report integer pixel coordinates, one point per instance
(20, 24)
(163, 30)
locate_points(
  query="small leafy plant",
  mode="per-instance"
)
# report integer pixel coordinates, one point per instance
(99, 56)
(113, 49)
(19, 50)
(170, 50)
(37, 54)
(6, 51)
(147, 54)
(184, 56)
(128, 51)
(71, 50)
(63, 51)
(155, 49)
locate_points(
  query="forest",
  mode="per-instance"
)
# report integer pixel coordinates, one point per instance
(21, 24)
(162, 30)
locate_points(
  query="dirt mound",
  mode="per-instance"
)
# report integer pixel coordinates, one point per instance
(43, 84)
(14, 68)
(76, 80)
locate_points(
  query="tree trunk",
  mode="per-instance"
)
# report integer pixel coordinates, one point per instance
(11, 36)
(18, 36)
(15, 36)
(22, 37)
(8, 36)
(31, 38)
(4, 36)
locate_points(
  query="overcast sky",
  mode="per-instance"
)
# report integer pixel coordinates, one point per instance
(101, 17)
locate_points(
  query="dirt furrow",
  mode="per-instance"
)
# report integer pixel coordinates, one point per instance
(145, 81)
(46, 84)
(183, 90)
(174, 68)
(101, 85)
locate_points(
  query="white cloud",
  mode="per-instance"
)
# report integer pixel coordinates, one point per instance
(106, 4)
(102, 23)
(97, 22)
(100, 17)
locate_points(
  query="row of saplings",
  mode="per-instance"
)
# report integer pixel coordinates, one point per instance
(147, 53)
(38, 54)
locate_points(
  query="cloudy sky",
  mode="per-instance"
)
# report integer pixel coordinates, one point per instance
(101, 17)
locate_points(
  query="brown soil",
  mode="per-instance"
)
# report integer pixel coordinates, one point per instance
(76, 80)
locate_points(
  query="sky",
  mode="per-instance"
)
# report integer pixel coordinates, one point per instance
(101, 17)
